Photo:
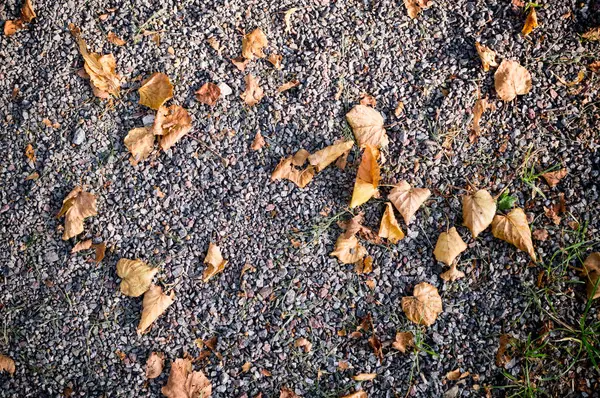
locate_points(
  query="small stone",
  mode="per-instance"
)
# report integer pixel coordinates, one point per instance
(78, 137)
(148, 120)
(51, 257)
(225, 89)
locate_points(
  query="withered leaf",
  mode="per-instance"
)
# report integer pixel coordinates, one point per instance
(27, 15)
(30, 154)
(356, 394)
(403, 341)
(478, 211)
(185, 383)
(481, 105)
(364, 266)
(487, 56)
(513, 228)
(11, 27)
(82, 245)
(172, 124)
(354, 226)
(364, 376)
(368, 100)
(77, 206)
(246, 367)
(154, 365)
(287, 18)
(389, 227)
(348, 250)
(288, 85)
(140, 142)
(414, 7)
(100, 249)
(287, 393)
(407, 199)
(154, 304)
(328, 155)
(136, 276)
(591, 273)
(540, 234)
(449, 245)
(240, 63)
(424, 306)
(214, 43)
(156, 90)
(114, 39)
(27, 12)
(258, 141)
(7, 364)
(253, 93)
(208, 94)
(592, 34)
(286, 170)
(300, 157)
(554, 177)
(367, 178)
(253, 44)
(275, 60)
(367, 126)
(452, 274)
(215, 262)
(375, 344)
(304, 344)
(530, 23)
(502, 355)
(511, 79)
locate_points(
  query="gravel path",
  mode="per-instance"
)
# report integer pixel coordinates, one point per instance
(63, 318)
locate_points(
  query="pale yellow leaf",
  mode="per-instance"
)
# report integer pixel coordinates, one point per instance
(478, 211)
(367, 126)
(348, 250)
(407, 199)
(288, 19)
(389, 227)
(328, 155)
(77, 206)
(449, 246)
(154, 304)
(367, 178)
(286, 170)
(424, 306)
(513, 228)
(156, 90)
(511, 79)
(136, 276)
(215, 262)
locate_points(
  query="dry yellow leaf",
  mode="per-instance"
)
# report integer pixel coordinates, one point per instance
(275, 60)
(300, 157)
(156, 90)
(154, 365)
(414, 7)
(367, 178)
(215, 262)
(27, 12)
(246, 367)
(357, 394)
(258, 141)
(253, 44)
(481, 105)
(7, 364)
(287, 18)
(364, 376)
(511, 79)
(449, 246)
(513, 228)
(140, 142)
(240, 63)
(114, 39)
(403, 341)
(591, 272)
(288, 85)
(530, 23)
(208, 94)
(30, 154)
(82, 245)
(287, 393)
(304, 344)
(286, 170)
(478, 211)
(452, 274)
(328, 155)
(172, 124)
(367, 126)
(592, 34)
(154, 304)
(184, 383)
(424, 306)
(253, 93)
(407, 199)
(487, 56)
(348, 250)
(77, 206)
(554, 177)
(389, 227)
(136, 276)
(354, 226)
(364, 266)
(11, 27)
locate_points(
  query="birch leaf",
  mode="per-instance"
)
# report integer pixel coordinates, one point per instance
(154, 305)
(155, 91)
(407, 199)
(403, 341)
(452, 274)
(478, 211)
(367, 126)
(171, 124)
(184, 383)
(511, 79)
(140, 142)
(253, 44)
(449, 246)
(513, 228)
(367, 178)
(487, 56)
(348, 250)
(136, 276)
(286, 170)
(253, 93)
(424, 306)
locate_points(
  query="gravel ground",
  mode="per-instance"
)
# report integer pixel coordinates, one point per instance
(64, 320)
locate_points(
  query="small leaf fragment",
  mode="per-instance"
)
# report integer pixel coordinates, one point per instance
(155, 91)
(172, 124)
(513, 228)
(414, 7)
(154, 365)
(389, 227)
(258, 141)
(304, 344)
(452, 274)
(407, 199)
(275, 60)
(287, 18)
(592, 34)
(82, 245)
(114, 39)
(7, 364)
(487, 56)
(591, 273)
(424, 306)
(215, 262)
(253, 93)
(531, 22)
(208, 94)
(240, 63)
(364, 376)
(286, 170)
(289, 85)
(554, 177)
(136, 276)
(348, 250)
(154, 305)
(367, 178)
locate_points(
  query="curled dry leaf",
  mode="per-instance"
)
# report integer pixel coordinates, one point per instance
(156, 90)
(184, 383)
(30, 155)
(154, 304)
(304, 344)
(208, 94)
(100, 249)
(136, 276)
(554, 177)
(511, 79)
(449, 245)
(348, 250)
(368, 100)
(375, 344)
(140, 142)
(503, 355)
(367, 178)
(253, 93)
(328, 155)
(258, 141)
(592, 34)
(215, 262)
(513, 228)
(288, 85)
(300, 157)
(452, 274)
(27, 12)
(481, 105)
(82, 245)
(591, 272)
(478, 211)
(154, 365)
(275, 60)
(172, 124)
(404, 341)
(7, 364)
(356, 394)
(530, 23)
(540, 234)
(407, 199)
(27, 15)
(364, 266)
(240, 63)
(364, 376)
(77, 206)
(287, 18)
(253, 44)
(286, 170)
(114, 39)
(389, 227)
(487, 56)
(287, 393)
(424, 306)
(414, 7)
(367, 126)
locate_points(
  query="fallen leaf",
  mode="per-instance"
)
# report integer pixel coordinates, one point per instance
(208, 94)
(156, 90)
(424, 306)
(407, 199)
(11, 27)
(357, 394)
(288, 85)
(389, 227)
(404, 341)
(449, 246)
(478, 211)
(286, 170)
(591, 272)
(172, 124)
(154, 365)
(154, 304)
(253, 93)
(77, 206)
(275, 60)
(253, 44)
(287, 18)
(367, 178)
(364, 266)
(518, 3)
(240, 63)
(258, 141)
(454, 374)
(530, 23)
(375, 344)
(136, 276)
(214, 43)
(580, 77)
(304, 344)
(554, 177)
(266, 373)
(348, 250)
(414, 7)
(594, 66)
(511, 79)
(481, 105)
(140, 142)
(487, 56)
(502, 354)
(367, 126)
(452, 274)
(328, 155)
(300, 157)
(540, 234)
(368, 100)
(82, 245)
(513, 228)
(287, 393)
(399, 109)
(33, 176)
(27, 12)
(114, 39)
(184, 383)
(27, 15)
(592, 34)
(552, 214)
(364, 376)
(30, 154)
(100, 249)
(7, 364)
(215, 261)
(246, 367)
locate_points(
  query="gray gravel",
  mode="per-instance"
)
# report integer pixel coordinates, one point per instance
(63, 317)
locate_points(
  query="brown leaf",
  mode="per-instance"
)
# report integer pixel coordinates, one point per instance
(114, 39)
(136, 276)
(304, 343)
(407, 199)
(481, 105)
(27, 15)
(364, 266)
(591, 272)
(156, 90)
(33, 176)
(454, 374)
(592, 34)
(82, 245)
(184, 383)
(288, 85)
(286, 170)
(214, 43)
(11, 27)
(513, 228)
(368, 100)
(399, 109)
(364, 376)
(253, 44)
(348, 250)
(328, 155)
(404, 341)
(449, 246)
(246, 367)
(367, 178)
(77, 206)
(30, 154)
(27, 12)
(478, 211)
(452, 274)
(511, 79)
(172, 123)
(487, 56)
(389, 227)
(554, 177)
(530, 23)
(414, 7)
(258, 141)
(154, 365)
(208, 94)
(253, 93)
(594, 66)
(502, 355)
(287, 393)
(357, 394)
(275, 60)
(240, 62)
(7, 364)
(154, 304)
(300, 157)
(375, 344)
(287, 18)
(100, 249)
(215, 262)
(540, 234)
(424, 306)
(140, 142)
(367, 126)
